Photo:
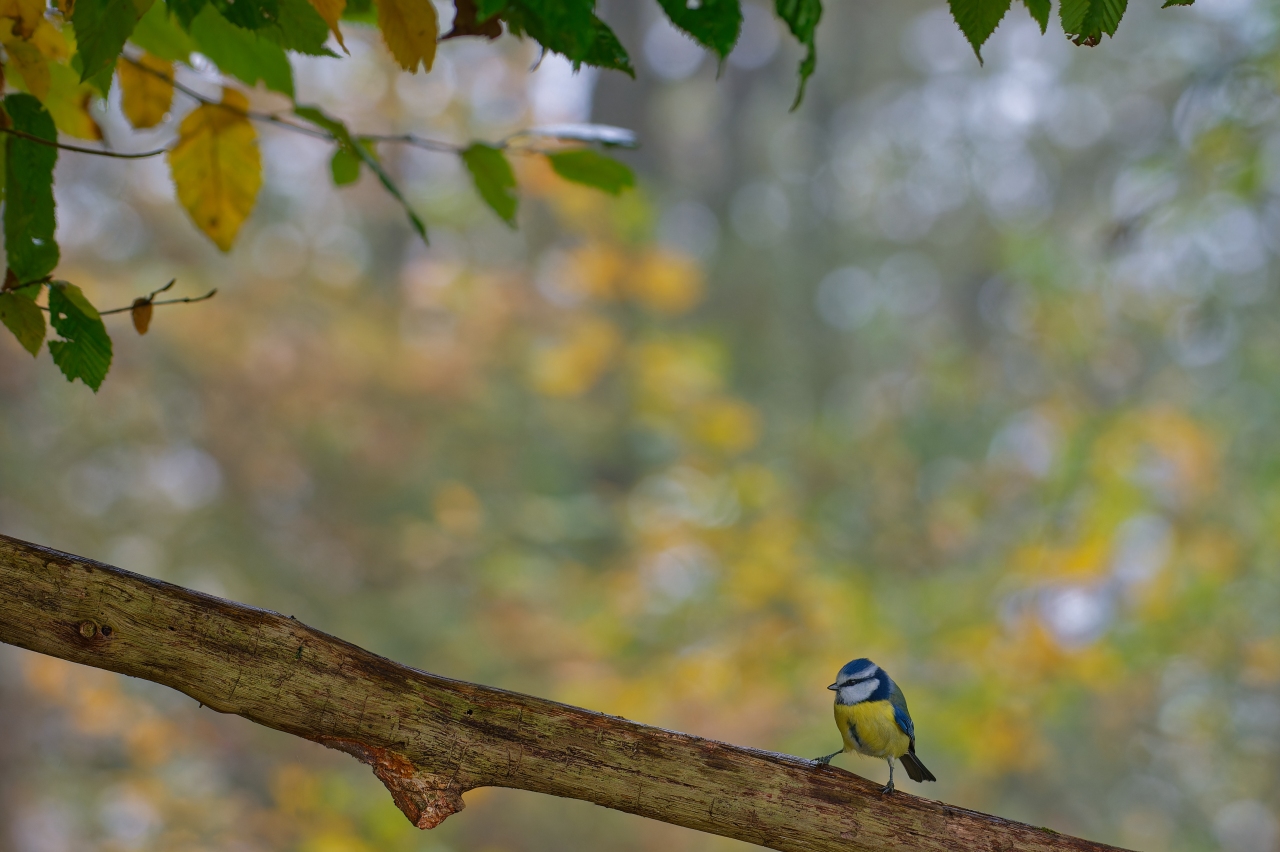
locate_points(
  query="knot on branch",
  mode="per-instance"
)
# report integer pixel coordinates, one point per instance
(425, 798)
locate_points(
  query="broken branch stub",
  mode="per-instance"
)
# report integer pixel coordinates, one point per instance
(429, 739)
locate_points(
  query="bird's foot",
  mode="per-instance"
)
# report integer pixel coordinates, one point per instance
(888, 788)
(823, 761)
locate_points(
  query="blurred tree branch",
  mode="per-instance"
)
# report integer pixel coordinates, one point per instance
(430, 739)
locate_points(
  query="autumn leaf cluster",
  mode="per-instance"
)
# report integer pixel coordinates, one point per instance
(61, 61)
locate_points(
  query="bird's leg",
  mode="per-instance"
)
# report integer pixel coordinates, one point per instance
(823, 761)
(889, 787)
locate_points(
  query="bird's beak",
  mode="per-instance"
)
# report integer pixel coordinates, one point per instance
(833, 686)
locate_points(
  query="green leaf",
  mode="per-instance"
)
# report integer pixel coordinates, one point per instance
(494, 179)
(101, 82)
(361, 12)
(24, 318)
(28, 211)
(102, 27)
(345, 166)
(84, 352)
(715, 23)
(299, 28)
(355, 146)
(186, 11)
(317, 116)
(593, 169)
(567, 27)
(249, 14)
(802, 18)
(1169, 3)
(1039, 10)
(606, 51)
(243, 54)
(978, 19)
(160, 36)
(1085, 21)
(368, 158)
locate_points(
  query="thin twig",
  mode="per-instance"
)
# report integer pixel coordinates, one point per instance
(208, 295)
(278, 121)
(411, 139)
(267, 117)
(40, 140)
(13, 288)
(150, 299)
(154, 293)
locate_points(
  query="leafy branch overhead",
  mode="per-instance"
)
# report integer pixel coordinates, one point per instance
(1084, 22)
(60, 59)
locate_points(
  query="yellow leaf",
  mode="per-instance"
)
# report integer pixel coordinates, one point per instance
(26, 15)
(726, 424)
(410, 29)
(68, 102)
(216, 167)
(331, 11)
(666, 283)
(50, 41)
(31, 67)
(595, 270)
(146, 90)
(572, 366)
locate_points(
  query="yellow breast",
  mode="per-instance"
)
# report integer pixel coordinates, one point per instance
(869, 728)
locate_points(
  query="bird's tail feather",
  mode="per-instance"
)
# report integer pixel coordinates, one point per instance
(915, 769)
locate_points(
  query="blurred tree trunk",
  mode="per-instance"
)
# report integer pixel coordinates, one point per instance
(430, 739)
(12, 759)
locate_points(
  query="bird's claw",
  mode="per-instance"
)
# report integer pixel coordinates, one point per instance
(822, 761)
(888, 788)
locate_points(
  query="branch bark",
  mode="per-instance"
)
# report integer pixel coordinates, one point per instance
(430, 739)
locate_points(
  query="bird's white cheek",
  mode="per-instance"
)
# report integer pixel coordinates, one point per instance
(855, 692)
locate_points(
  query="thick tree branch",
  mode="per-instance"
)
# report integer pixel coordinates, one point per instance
(430, 739)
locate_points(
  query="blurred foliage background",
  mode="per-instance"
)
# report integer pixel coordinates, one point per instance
(970, 370)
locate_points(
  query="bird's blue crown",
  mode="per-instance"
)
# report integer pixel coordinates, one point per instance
(858, 669)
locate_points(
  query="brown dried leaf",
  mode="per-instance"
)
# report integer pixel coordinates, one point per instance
(140, 313)
(465, 23)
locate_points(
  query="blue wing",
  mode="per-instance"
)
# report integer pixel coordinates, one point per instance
(900, 713)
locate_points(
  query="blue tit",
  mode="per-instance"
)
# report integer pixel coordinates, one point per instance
(871, 713)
